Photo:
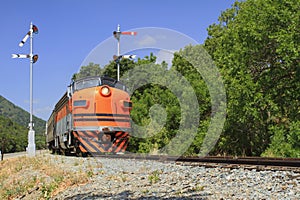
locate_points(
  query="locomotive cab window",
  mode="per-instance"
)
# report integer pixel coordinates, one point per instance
(113, 83)
(80, 103)
(87, 83)
(95, 81)
(121, 86)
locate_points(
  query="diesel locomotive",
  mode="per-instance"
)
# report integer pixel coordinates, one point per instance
(93, 116)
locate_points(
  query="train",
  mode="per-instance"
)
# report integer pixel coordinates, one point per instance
(93, 116)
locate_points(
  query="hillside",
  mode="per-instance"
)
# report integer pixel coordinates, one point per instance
(14, 121)
(20, 116)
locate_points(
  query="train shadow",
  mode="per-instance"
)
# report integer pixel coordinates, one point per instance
(131, 195)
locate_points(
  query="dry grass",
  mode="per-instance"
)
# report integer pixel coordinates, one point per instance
(40, 177)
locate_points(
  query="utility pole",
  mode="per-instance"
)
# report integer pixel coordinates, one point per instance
(33, 59)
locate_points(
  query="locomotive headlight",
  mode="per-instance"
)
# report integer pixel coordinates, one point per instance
(105, 91)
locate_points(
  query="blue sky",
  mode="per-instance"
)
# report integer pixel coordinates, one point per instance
(70, 30)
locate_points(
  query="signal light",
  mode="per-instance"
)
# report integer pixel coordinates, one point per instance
(35, 29)
(117, 34)
(117, 58)
(35, 58)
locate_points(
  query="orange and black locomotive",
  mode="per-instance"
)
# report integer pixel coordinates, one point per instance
(93, 116)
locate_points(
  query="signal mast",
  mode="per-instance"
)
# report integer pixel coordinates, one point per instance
(117, 34)
(33, 58)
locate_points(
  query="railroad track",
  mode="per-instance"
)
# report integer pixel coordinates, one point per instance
(256, 163)
(251, 163)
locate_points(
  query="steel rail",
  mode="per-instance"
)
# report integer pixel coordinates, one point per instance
(258, 161)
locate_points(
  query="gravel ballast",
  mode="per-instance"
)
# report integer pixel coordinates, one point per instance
(142, 179)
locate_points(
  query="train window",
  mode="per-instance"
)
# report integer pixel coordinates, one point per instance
(86, 84)
(114, 83)
(97, 81)
(120, 86)
(80, 103)
(109, 82)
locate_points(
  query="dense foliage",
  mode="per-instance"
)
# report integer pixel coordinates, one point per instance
(256, 46)
(12, 136)
(13, 128)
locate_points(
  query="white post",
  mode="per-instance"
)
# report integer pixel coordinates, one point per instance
(31, 64)
(31, 132)
(118, 53)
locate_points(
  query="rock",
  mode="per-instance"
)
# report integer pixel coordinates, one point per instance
(129, 179)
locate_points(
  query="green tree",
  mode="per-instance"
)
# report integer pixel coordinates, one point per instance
(21, 117)
(12, 136)
(145, 99)
(89, 70)
(256, 46)
(189, 72)
(111, 68)
(284, 142)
